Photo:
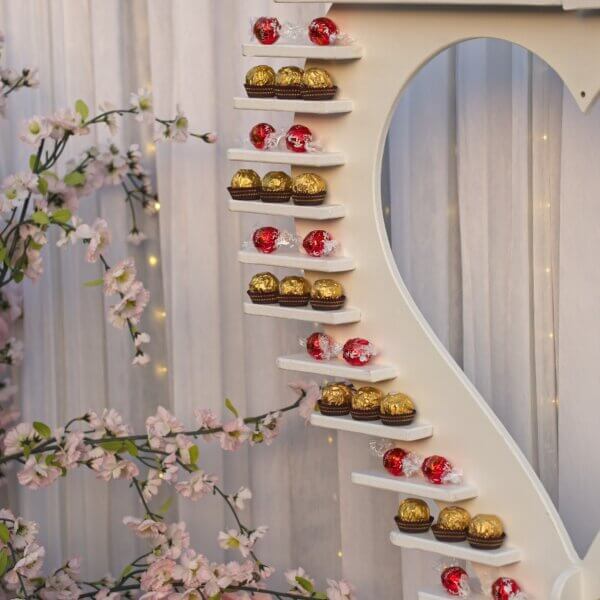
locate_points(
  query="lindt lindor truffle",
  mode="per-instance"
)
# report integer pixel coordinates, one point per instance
(245, 185)
(263, 136)
(397, 409)
(327, 294)
(288, 83)
(336, 399)
(486, 532)
(452, 524)
(318, 85)
(294, 291)
(309, 189)
(264, 288)
(413, 516)
(321, 346)
(401, 463)
(455, 581)
(439, 470)
(260, 82)
(365, 404)
(276, 187)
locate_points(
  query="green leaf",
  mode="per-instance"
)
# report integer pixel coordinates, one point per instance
(112, 445)
(42, 186)
(40, 217)
(42, 429)
(126, 571)
(165, 506)
(82, 108)
(3, 561)
(231, 407)
(2, 252)
(4, 533)
(18, 276)
(130, 447)
(94, 282)
(62, 215)
(305, 584)
(74, 178)
(32, 161)
(194, 454)
(319, 596)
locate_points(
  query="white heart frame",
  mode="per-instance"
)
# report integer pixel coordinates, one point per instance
(397, 42)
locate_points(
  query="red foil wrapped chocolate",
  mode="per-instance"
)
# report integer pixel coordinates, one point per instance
(505, 588)
(323, 31)
(299, 138)
(319, 243)
(269, 239)
(358, 351)
(263, 136)
(399, 462)
(456, 582)
(321, 346)
(267, 30)
(439, 470)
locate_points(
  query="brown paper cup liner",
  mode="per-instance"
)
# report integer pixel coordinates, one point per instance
(333, 411)
(264, 297)
(398, 420)
(443, 535)
(485, 543)
(422, 527)
(260, 91)
(289, 92)
(294, 300)
(267, 196)
(309, 199)
(244, 193)
(320, 93)
(320, 304)
(365, 415)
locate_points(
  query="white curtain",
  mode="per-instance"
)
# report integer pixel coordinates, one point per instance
(489, 155)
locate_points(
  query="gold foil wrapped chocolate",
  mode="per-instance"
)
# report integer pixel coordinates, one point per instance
(287, 76)
(294, 285)
(397, 404)
(367, 398)
(326, 289)
(413, 510)
(336, 394)
(261, 75)
(316, 78)
(264, 283)
(276, 181)
(245, 178)
(453, 518)
(486, 527)
(309, 183)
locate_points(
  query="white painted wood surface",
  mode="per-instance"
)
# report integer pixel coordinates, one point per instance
(316, 107)
(289, 209)
(349, 52)
(438, 593)
(304, 313)
(296, 260)
(281, 157)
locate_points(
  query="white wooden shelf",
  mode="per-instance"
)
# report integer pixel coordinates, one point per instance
(305, 159)
(315, 107)
(336, 368)
(304, 313)
(348, 52)
(438, 593)
(425, 541)
(323, 212)
(489, 3)
(405, 433)
(295, 260)
(415, 486)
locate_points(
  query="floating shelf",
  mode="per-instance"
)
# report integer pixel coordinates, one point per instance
(305, 313)
(316, 107)
(425, 541)
(406, 433)
(288, 209)
(295, 260)
(438, 593)
(415, 487)
(349, 52)
(336, 368)
(305, 159)
(438, 2)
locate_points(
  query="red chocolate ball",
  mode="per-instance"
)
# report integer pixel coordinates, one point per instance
(266, 30)
(455, 581)
(323, 31)
(260, 135)
(505, 588)
(393, 461)
(318, 243)
(265, 239)
(357, 351)
(435, 468)
(320, 346)
(297, 138)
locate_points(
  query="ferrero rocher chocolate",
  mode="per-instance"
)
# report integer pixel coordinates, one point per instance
(397, 404)
(453, 518)
(288, 76)
(367, 398)
(326, 289)
(336, 394)
(309, 183)
(276, 181)
(294, 286)
(487, 527)
(264, 282)
(245, 178)
(261, 75)
(413, 510)
(317, 78)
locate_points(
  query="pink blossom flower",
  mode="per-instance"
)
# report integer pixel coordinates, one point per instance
(31, 562)
(136, 237)
(145, 528)
(340, 590)
(206, 419)
(108, 467)
(199, 485)
(234, 434)
(177, 540)
(66, 121)
(106, 594)
(140, 358)
(152, 484)
(21, 437)
(59, 586)
(192, 569)
(312, 393)
(119, 278)
(240, 497)
(159, 576)
(293, 576)
(70, 450)
(267, 429)
(130, 307)
(110, 120)
(109, 423)
(235, 540)
(36, 129)
(142, 102)
(98, 237)
(159, 426)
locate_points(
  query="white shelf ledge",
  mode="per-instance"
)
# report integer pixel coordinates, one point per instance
(415, 486)
(289, 209)
(336, 368)
(304, 313)
(406, 433)
(295, 260)
(438, 593)
(305, 159)
(437, 2)
(315, 107)
(425, 541)
(349, 52)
